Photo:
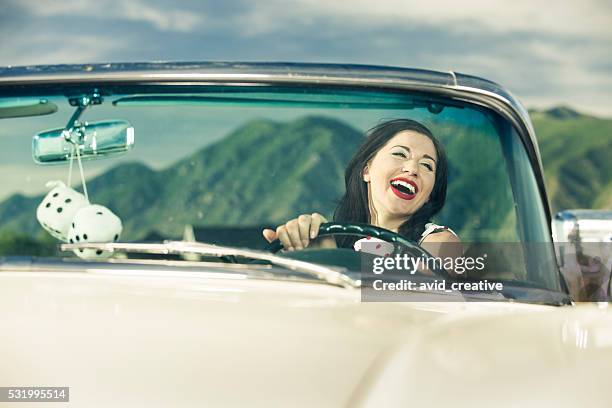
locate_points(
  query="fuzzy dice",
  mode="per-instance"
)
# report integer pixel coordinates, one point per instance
(94, 223)
(58, 208)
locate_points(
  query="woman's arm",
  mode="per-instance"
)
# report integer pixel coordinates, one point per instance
(443, 245)
(301, 232)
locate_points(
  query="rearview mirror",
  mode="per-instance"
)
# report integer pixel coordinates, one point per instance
(94, 140)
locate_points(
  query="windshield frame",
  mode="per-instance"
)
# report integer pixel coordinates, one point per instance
(444, 85)
(86, 78)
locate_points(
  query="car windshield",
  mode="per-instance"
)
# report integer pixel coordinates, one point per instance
(218, 164)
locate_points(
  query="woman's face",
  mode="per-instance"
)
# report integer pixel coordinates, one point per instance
(401, 176)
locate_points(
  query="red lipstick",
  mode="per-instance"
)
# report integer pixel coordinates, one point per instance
(404, 188)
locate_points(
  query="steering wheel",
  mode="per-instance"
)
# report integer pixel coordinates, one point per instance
(367, 230)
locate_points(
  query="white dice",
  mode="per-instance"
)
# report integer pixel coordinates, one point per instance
(58, 208)
(94, 223)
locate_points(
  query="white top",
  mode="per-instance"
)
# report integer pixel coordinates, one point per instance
(431, 228)
(384, 248)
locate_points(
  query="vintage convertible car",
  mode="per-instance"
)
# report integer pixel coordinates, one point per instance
(134, 271)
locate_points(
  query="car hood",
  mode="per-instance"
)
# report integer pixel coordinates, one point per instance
(125, 340)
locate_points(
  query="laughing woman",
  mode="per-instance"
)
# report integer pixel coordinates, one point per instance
(396, 180)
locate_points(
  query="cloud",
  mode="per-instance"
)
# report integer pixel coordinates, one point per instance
(53, 48)
(586, 18)
(542, 51)
(164, 18)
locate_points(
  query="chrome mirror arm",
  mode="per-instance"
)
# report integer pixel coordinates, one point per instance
(81, 103)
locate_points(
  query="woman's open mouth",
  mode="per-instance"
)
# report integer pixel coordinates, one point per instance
(404, 188)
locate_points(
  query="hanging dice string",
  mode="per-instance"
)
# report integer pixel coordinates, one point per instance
(69, 182)
(78, 155)
(82, 174)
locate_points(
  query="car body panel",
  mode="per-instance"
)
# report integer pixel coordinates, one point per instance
(137, 338)
(556, 358)
(125, 339)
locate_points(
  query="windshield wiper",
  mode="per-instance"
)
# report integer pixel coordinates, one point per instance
(322, 273)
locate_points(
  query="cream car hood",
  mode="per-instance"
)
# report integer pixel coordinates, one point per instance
(184, 341)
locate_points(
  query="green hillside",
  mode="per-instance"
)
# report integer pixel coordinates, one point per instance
(243, 178)
(266, 172)
(576, 152)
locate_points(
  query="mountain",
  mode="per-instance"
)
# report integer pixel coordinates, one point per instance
(562, 112)
(576, 151)
(242, 177)
(265, 172)
(259, 166)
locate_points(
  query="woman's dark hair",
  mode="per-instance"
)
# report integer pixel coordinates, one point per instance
(353, 206)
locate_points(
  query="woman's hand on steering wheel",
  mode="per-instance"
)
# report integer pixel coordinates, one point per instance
(286, 235)
(300, 233)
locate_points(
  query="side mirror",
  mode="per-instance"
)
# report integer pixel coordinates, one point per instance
(583, 245)
(94, 140)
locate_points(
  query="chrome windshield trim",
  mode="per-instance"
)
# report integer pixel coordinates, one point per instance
(454, 85)
(327, 274)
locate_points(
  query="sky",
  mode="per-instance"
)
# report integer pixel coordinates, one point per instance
(547, 53)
